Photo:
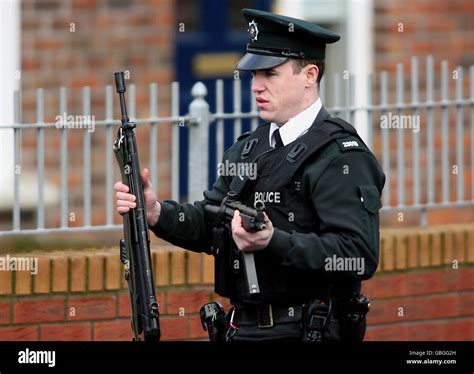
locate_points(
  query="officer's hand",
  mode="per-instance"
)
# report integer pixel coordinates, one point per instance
(125, 200)
(250, 241)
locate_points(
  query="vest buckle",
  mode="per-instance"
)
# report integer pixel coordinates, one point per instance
(264, 316)
(248, 148)
(296, 152)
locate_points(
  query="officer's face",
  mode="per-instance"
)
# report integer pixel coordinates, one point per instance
(280, 93)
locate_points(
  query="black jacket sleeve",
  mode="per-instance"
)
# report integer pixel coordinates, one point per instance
(186, 225)
(346, 198)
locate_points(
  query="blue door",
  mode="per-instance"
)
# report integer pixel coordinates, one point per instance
(211, 38)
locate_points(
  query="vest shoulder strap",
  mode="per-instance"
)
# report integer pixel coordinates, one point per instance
(340, 125)
(252, 149)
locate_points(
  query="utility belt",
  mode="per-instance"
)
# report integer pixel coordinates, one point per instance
(318, 320)
(266, 316)
(340, 320)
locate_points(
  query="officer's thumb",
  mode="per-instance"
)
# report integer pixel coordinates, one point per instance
(145, 174)
(236, 220)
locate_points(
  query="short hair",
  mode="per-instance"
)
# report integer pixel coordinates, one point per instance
(300, 64)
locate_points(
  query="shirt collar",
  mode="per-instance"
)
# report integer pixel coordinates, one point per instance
(296, 126)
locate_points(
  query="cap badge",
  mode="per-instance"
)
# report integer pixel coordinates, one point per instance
(253, 30)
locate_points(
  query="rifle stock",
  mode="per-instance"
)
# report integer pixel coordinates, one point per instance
(135, 247)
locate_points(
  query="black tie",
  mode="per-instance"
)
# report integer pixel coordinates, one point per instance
(277, 137)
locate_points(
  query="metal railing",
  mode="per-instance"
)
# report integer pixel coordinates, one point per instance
(432, 116)
(434, 119)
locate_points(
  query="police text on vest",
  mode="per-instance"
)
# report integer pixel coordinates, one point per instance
(37, 357)
(268, 197)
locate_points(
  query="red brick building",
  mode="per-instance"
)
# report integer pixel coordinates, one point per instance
(76, 43)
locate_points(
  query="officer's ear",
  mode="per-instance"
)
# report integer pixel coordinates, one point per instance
(311, 72)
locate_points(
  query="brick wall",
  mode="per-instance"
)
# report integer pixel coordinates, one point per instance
(424, 286)
(77, 43)
(83, 296)
(423, 290)
(405, 28)
(443, 29)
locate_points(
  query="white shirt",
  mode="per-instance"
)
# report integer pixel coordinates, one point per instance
(296, 126)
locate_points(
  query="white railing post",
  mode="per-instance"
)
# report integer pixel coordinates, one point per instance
(360, 47)
(9, 83)
(198, 143)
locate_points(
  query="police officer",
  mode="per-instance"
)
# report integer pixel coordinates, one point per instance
(321, 188)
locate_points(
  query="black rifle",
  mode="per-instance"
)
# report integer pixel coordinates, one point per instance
(252, 220)
(135, 247)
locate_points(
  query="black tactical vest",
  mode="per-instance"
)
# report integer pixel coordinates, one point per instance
(279, 186)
